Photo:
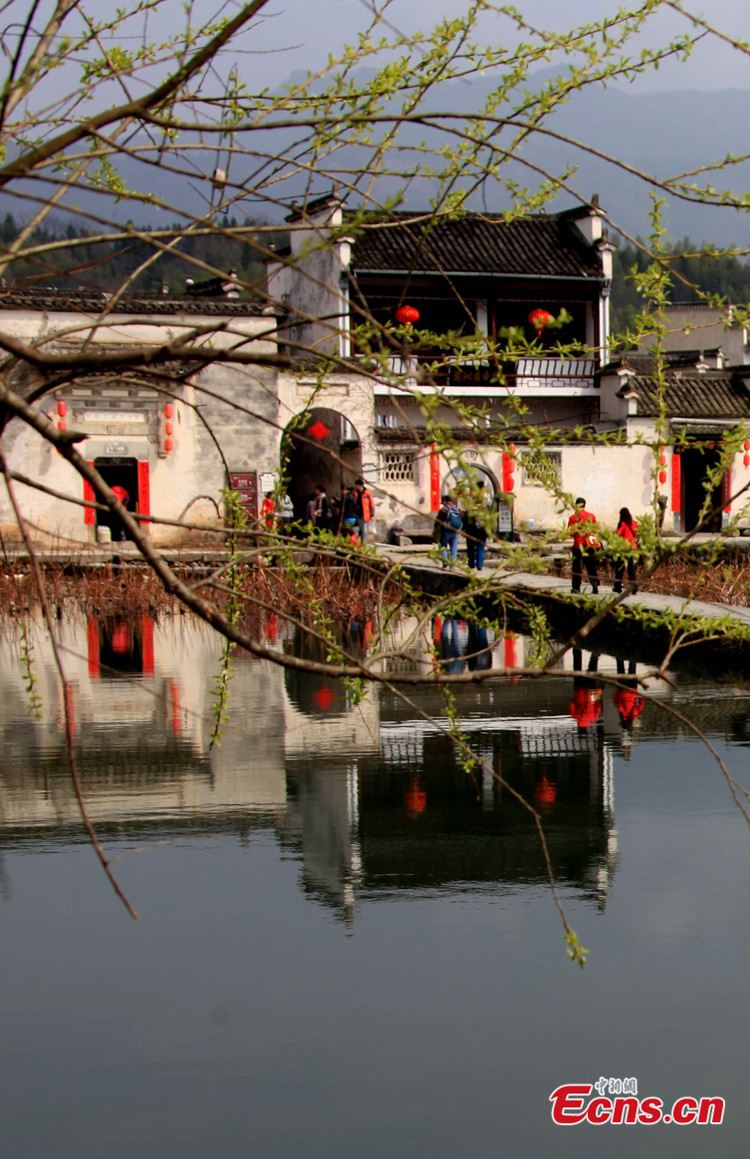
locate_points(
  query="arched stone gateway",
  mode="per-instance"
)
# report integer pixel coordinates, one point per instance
(320, 446)
(477, 474)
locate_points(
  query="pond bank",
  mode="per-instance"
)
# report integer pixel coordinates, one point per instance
(719, 632)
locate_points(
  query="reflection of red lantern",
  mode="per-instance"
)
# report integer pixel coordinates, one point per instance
(323, 697)
(545, 792)
(407, 315)
(540, 320)
(662, 477)
(120, 640)
(415, 798)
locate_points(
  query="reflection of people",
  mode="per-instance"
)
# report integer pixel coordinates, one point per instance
(450, 646)
(586, 706)
(626, 529)
(478, 650)
(585, 546)
(627, 701)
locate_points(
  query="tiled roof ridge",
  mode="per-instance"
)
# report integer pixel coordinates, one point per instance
(94, 299)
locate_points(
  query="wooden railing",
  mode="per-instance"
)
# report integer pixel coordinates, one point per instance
(525, 373)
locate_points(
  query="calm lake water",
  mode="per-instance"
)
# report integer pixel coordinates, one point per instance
(347, 947)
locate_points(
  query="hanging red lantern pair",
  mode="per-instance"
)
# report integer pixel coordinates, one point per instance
(509, 463)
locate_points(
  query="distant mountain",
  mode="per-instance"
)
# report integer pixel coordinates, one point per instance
(661, 134)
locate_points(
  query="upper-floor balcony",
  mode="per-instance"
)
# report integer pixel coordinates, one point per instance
(487, 378)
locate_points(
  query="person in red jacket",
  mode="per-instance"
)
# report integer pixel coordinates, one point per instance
(268, 511)
(627, 529)
(365, 507)
(582, 526)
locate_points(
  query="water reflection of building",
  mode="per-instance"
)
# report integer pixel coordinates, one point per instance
(371, 797)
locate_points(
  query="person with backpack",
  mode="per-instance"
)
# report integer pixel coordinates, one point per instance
(627, 529)
(475, 531)
(450, 523)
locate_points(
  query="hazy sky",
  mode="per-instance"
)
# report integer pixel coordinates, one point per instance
(297, 34)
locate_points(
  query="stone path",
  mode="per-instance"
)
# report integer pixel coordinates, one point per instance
(416, 558)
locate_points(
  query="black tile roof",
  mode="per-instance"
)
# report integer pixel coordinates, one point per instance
(95, 301)
(714, 394)
(545, 246)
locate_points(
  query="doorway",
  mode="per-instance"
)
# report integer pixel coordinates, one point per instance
(697, 464)
(322, 447)
(122, 476)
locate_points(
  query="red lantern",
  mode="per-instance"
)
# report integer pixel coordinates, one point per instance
(662, 476)
(746, 459)
(540, 320)
(168, 445)
(168, 410)
(507, 468)
(407, 315)
(662, 456)
(62, 408)
(746, 445)
(167, 428)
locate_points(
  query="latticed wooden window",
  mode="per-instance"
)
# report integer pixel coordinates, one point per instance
(542, 468)
(398, 467)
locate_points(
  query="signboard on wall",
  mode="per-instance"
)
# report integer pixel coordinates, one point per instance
(504, 518)
(245, 483)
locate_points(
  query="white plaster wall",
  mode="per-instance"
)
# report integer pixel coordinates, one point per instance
(310, 286)
(238, 402)
(607, 477)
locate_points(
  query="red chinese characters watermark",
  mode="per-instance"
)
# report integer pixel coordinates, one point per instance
(615, 1102)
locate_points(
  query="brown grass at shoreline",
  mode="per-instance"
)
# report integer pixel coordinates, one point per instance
(344, 592)
(718, 583)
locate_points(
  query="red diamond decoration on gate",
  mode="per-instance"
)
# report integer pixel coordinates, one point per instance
(319, 431)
